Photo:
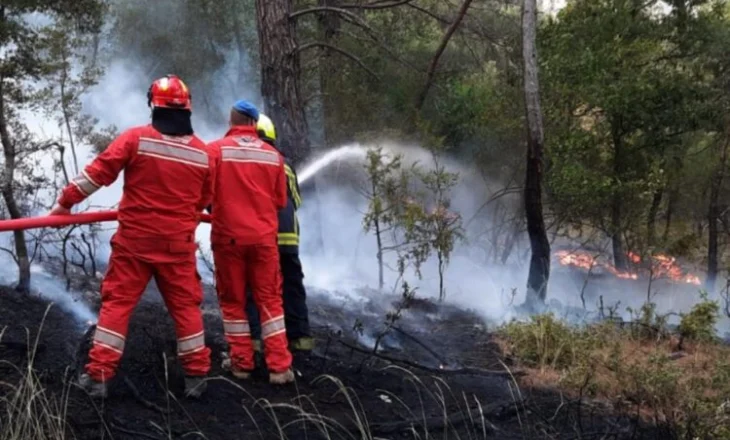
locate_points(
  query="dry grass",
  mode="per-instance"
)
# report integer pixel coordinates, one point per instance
(634, 371)
(29, 412)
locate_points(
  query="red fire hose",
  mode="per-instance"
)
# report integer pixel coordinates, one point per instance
(52, 221)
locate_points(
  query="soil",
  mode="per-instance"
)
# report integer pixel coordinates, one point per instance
(445, 377)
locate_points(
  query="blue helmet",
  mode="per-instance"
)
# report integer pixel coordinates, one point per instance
(246, 108)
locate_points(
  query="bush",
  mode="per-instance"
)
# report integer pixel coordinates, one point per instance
(635, 371)
(546, 341)
(699, 324)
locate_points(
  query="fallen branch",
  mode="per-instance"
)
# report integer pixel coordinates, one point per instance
(422, 344)
(138, 396)
(460, 371)
(496, 411)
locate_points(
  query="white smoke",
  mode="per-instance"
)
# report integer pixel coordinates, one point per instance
(347, 261)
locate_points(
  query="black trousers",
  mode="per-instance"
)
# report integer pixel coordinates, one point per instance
(296, 314)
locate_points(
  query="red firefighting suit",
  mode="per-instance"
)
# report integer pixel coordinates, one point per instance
(167, 182)
(250, 189)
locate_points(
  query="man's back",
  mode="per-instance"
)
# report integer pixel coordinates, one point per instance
(250, 188)
(167, 182)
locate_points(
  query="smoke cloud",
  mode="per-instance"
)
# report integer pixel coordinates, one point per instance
(344, 268)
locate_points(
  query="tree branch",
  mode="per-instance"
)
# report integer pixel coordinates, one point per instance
(357, 21)
(377, 5)
(341, 8)
(440, 51)
(339, 50)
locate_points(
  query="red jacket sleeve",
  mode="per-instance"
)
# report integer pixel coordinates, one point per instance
(209, 185)
(281, 182)
(103, 171)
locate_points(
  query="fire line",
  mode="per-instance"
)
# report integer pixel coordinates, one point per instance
(662, 266)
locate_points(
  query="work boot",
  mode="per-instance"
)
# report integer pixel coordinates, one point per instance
(302, 344)
(195, 386)
(281, 378)
(238, 374)
(96, 390)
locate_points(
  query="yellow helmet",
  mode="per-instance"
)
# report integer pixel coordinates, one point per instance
(265, 128)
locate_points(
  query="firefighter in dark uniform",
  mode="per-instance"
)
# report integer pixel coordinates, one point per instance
(296, 314)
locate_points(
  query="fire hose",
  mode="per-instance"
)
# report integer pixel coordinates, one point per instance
(55, 221)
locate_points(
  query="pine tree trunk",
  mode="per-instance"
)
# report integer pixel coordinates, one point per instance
(280, 73)
(329, 25)
(619, 252)
(540, 261)
(652, 215)
(713, 215)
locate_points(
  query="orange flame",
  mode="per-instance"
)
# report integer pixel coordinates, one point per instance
(662, 266)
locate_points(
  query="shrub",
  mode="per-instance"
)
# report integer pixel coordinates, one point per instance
(699, 324)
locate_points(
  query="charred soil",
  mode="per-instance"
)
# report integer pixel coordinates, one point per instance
(439, 373)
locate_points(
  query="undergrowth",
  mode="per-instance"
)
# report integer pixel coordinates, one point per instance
(676, 379)
(27, 410)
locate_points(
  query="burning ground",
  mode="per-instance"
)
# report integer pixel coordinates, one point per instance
(439, 372)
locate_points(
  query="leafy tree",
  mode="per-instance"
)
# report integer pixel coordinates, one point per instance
(384, 192)
(22, 65)
(618, 101)
(439, 228)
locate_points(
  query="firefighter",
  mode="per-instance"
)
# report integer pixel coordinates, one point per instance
(296, 315)
(168, 179)
(251, 189)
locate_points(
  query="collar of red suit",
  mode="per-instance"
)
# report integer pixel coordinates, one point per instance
(240, 130)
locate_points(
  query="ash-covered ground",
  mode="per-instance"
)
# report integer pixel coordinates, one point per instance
(439, 373)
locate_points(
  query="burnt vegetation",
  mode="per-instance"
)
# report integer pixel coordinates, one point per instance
(591, 145)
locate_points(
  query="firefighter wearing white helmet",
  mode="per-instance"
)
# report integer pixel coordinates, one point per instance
(296, 314)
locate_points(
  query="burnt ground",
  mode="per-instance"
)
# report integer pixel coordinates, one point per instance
(443, 377)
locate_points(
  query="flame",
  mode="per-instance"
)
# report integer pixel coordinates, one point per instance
(662, 266)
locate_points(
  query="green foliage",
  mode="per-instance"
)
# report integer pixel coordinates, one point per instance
(543, 342)
(622, 93)
(646, 323)
(699, 323)
(438, 228)
(385, 192)
(638, 375)
(408, 211)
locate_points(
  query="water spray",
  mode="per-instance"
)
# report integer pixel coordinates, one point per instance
(343, 153)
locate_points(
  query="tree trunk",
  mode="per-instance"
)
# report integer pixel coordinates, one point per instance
(329, 25)
(280, 73)
(619, 252)
(670, 212)
(713, 215)
(540, 261)
(21, 248)
(673, 195)
(651, 217)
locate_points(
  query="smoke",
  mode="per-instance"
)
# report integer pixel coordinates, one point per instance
(347, 259)
(49, 287)
(344, 268)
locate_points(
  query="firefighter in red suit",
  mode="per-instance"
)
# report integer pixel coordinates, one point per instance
(168, 179)
(250, 190)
